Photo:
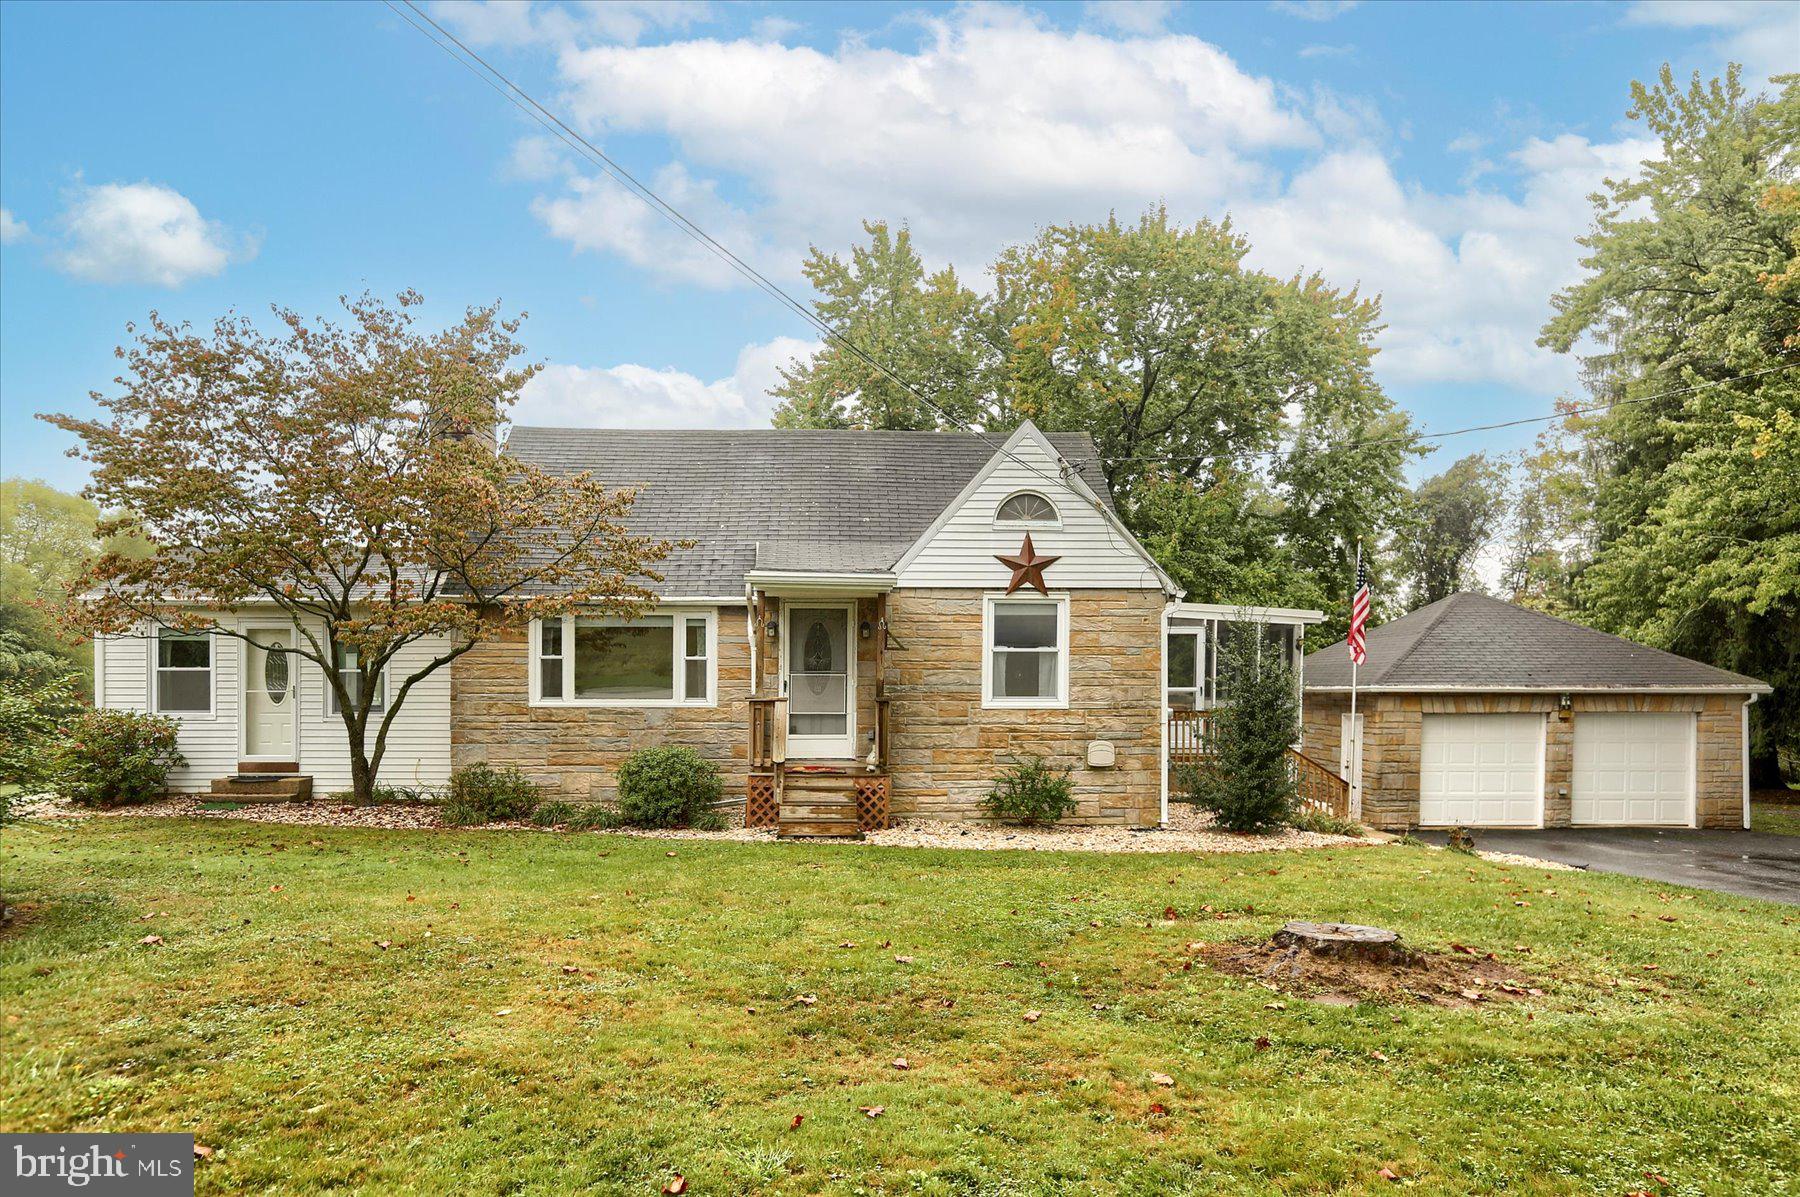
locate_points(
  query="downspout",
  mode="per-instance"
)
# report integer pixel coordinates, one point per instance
(1744, 744)
(750, 634)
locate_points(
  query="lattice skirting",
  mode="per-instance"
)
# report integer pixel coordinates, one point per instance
(872, 803)
(760, 808)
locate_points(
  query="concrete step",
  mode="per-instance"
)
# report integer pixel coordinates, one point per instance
(263, 787)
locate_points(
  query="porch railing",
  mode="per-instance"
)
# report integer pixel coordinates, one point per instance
(1187, 736)
(768, 731)
(1321, 788)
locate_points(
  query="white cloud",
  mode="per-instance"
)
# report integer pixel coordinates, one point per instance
(1320, 50)
(774, 28)
(12, 228)
(1313, 10)
(997, 123)
(1140, 17)
(1761, 34)
(142, 233)
(632, 396)
(514, 23)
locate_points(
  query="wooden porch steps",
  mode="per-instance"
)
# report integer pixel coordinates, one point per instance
(819, 802)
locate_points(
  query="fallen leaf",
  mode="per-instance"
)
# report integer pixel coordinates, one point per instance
(873, 1111)
(798, 1119)
(571, 968)
(903, 960)
(503, 1012)
(678, 1183)
(1381, 1056)
(1030, 1015)
(1387, 1173)
(1262, 1043)
(1157, 1107)
(807, 999)
(846, 944)
(1464, 949)
(683, 1183)
(1169, 914)
(901, 1064)
(274, 889)
(1162, 1078)
(152, 940)
(384, 944)
(1274, 1005)
(202, 1151)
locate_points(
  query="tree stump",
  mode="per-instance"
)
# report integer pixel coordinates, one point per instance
(1343, 941)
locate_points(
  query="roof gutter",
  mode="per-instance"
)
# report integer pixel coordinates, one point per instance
(1711, 688)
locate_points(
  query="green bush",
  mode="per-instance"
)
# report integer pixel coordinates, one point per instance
(1030, 792)
(1305, 818)
(1244, 778)
(115, 758)
(593, 818)
(481, 794)
(553, 813)
(669, 787)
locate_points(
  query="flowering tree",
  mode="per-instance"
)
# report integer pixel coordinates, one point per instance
(344, 476)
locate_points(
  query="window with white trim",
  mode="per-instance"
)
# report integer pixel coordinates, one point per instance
(657, 660)
(1027, 509)
(1027, 652)
(1198, 656)
(184, 672)
(351, 674)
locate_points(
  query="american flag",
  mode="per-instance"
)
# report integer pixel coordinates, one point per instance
(1359, 616)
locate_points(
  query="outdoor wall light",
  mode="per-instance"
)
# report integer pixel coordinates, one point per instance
(774, 628)
(865, 629)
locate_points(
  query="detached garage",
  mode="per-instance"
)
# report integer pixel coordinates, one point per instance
(1473, 712)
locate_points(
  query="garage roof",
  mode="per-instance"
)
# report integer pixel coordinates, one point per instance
(1471, 642)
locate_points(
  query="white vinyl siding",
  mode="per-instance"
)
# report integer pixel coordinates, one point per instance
(1481, 771)
(1633, 769)
(418, 752)
(1094, 554)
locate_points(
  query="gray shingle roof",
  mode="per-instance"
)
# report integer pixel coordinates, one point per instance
(782, 499)
(1471, 641)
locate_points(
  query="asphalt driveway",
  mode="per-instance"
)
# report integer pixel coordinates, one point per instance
(1751, 864)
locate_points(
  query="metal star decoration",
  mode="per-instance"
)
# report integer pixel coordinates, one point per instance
(1027, 568)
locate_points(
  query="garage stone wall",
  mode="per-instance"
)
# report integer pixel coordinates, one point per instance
(1393, 728)
(575, 752)
(947, 749)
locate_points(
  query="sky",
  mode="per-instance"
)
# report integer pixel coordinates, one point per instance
(196, 159)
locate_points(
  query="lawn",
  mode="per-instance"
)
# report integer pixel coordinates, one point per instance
(1775, 818)
(534, 1013)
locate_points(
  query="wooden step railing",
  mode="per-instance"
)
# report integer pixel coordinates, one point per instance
(1321, 789)
(1187, 736)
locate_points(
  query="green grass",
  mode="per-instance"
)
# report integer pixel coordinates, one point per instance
(272, 1025)
(1775, 818)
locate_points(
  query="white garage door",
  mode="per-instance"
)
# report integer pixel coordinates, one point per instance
(1481, 770)
(1633, 768)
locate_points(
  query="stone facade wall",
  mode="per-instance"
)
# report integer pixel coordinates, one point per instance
(947, 749)
(576, 751)
(1393, 725)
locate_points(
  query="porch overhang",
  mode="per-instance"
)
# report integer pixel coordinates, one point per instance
(1293, 615)
(818, 585)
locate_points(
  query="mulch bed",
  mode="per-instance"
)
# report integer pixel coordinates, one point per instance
(1460, 978)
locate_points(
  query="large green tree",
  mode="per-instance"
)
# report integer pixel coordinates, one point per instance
(1688, 316)
(46, 540)
(1453, 516)
(1236, 413)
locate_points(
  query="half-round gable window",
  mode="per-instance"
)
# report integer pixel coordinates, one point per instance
(1026, 507)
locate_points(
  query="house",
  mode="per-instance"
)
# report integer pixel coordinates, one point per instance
(1475, 712)
(852, 625)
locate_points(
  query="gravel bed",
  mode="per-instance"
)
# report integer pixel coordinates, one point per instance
(1188, 830)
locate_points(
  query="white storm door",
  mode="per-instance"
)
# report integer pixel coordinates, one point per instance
(1633, 768)
(1481, 771)
(818, 670)
(269, 697)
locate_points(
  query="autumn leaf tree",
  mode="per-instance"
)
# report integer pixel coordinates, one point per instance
(343, 475)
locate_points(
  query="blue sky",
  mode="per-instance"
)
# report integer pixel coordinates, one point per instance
(196, 158)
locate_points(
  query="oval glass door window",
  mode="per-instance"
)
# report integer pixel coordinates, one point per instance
(275, 672)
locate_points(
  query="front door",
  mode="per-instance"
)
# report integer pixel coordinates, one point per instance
(818, 665)
(269, 695)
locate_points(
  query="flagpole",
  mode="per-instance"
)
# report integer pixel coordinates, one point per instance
(1354, 753)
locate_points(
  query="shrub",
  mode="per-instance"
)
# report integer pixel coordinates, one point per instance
(32, 708)
(115, 758)
(1030, 792)
(1305, 818)
(668, 787)
(553, 813)
(1244, 779)
(593, 818)
(480, 794)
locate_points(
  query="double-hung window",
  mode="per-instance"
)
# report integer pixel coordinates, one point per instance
(184, 672)
(349, 663)
(662, 659)
(1027, 653)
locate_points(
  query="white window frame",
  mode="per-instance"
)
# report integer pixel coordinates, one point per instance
(1060, 701)
(1055, 521)
(1202, 680)
(1206, 657)
(212, 670)
(678, 633)
(331, 702)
